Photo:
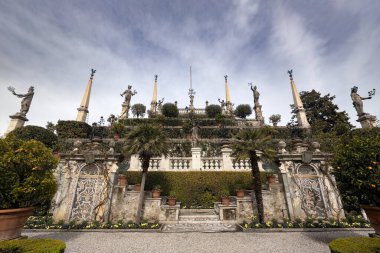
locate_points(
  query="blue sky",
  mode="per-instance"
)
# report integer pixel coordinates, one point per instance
(330, 45)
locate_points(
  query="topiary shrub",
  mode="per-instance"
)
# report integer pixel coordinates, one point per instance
(138, 110)
(36, 133)
(213, 110)
(170, 110)
(355, 245)
(73, 129)
(33, 246)
(243, 110)
(26, 173)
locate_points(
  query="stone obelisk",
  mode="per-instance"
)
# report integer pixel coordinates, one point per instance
(228, 100)
(83, 108)
(153, 104)
(298, 105)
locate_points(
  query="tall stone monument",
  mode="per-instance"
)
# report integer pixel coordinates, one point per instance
(257, 106)
(83, 108)
(298, 105)
(228, 100)
(18, 119)
(153, 104)
(366, 120)
(127, 101)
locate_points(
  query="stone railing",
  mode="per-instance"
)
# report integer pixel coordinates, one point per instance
(195, 163)
(195, 111)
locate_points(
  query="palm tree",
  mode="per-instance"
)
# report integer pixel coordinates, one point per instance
(255, 145)
(146, 141)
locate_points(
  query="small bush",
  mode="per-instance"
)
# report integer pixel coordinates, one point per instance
(41, 134)
(32, 246)
(213, 110)
(170, 110)
(243, 110)
(355, 245)
(73, 129)
(138, 110)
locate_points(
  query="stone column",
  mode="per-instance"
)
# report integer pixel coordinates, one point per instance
(227, 161)
(196, 158)
(165, 163)
(134, 164)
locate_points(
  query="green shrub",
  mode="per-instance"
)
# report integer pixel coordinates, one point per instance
(138, 110)
(195, 188)
(26, 173)
(355, 245)
(33, 246)
(73, 129)
(170, 110)
(243, 110)
(41, 134)
(213, 110)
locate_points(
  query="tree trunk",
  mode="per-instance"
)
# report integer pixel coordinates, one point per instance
(145, 166)
(257, 184)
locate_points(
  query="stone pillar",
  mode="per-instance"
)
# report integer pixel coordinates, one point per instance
(165, 163)
(17, 121)
(227, 161)
(134, 164)
(196, 158)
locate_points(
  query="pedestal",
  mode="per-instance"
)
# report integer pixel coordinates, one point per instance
(196, 158)
(17, 121)
(124, 111)
(367, 121)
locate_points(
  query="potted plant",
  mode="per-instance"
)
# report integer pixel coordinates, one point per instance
(26, 181)
(271, 178)
(225, 197)
(122, 180)
(156, 191)
(137, 187)
(240, 192)
(172, 198)
(356, 169)
(274, 119)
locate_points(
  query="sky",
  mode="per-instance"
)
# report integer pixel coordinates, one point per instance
(331, 45)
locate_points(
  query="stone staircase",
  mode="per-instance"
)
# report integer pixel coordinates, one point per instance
(199, 220)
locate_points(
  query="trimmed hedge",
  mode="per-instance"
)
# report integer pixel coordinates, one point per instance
(195, 189)
(355, 245)
(32, 246)
(47, 137)
(73, 129)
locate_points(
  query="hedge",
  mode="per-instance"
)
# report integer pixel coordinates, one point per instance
(73, 129)
(47, 137)
(355, 245)
(32, 246)
(195, 189)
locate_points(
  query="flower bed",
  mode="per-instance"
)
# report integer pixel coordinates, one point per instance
(349, 222)
(46, 222)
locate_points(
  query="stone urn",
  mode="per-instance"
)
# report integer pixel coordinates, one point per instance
(373, 214)
(225, 201)
(156, 193)
(122, 180)
(172, 201)
(240, 193)
(12, 222)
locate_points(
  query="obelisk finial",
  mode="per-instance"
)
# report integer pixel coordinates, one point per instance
(92, 73)
(225, 78)
(83, 108)
(290, 72)
(298, 105)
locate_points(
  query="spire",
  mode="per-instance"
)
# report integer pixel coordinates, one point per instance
(154, 98)
(83, 108)
(228, 100)
(298, 105)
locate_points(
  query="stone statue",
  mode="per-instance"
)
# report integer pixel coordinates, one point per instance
(256, 95)
(26, 101)
(222, 103)
(159, 104)
(194, 133)
(357, 100)
(128, 95)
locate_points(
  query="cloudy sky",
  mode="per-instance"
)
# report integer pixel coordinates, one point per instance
(330, 45)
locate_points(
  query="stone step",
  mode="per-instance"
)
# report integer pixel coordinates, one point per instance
(199, 227)
(199, 218)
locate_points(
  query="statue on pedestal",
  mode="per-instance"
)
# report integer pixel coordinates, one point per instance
(25, 102)
(222, 103)
(357, 100)
(127, 100)
(159, 104)
(257, 106)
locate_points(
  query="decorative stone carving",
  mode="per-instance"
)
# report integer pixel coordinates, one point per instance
(127, 100)
(25, 102)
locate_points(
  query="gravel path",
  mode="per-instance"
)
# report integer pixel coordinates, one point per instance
(114, 242)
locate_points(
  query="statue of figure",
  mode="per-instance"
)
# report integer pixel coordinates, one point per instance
(26, 101)
(194, 134)
(357, 100)
(222, 103)
(191, 101)
(159, 104)
(256, 95)
(128, 95)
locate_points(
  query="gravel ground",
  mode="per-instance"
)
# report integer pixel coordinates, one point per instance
(113, 242)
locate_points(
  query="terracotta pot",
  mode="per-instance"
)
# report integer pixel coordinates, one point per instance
(240, 193)
(122, 180)
(116, 137)
(137, 187)
(156, 193)
(271, 179)
(373, 214)
(172, 201)
(225, 201)
(12, 221)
